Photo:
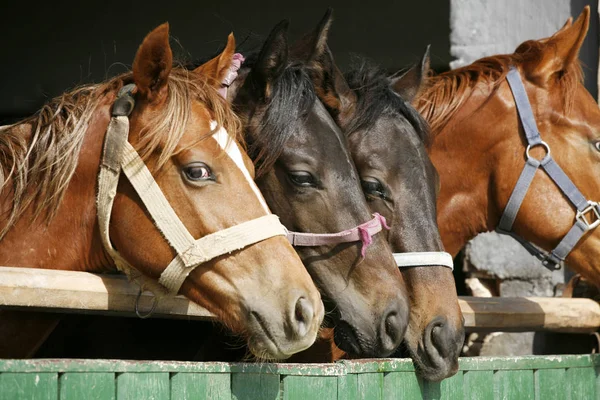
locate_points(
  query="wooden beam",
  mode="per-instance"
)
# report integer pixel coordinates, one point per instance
(81, 292)
(527, 314)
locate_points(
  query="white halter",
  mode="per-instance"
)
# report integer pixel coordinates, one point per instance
(424, 259)
(119, 156)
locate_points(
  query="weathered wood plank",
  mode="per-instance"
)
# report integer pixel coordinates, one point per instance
(514, 385)
(401, 385)
(34, 386)
(196, 386)
(581, 383)
(248, 386)
(65, 291)
(87, 386)
(518, 314)
(143, 385)
(310, 387)
(370, 386)
(452, 388)
(549, 384)
(478, 385)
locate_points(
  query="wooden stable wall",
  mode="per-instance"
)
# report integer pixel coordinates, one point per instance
(64, 291)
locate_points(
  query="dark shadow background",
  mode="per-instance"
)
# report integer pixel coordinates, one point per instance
(49, 47)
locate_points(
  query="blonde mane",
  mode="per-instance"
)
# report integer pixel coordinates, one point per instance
(443, 95)
(37, 164)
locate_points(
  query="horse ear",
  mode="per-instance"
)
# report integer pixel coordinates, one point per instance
(273, 56)
(217, 68)
(407, 84)
(560, 50)
(153, 63)
(314, 44)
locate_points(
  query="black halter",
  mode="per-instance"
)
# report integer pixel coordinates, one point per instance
(588, 212)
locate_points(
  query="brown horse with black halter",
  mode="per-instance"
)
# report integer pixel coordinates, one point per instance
(517, 146)
(388, 141)
(171, 170)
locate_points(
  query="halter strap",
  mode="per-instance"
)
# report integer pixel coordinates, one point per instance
(424, 259)
(236, 63)
(362, 233)
(119, 156)
(584, 207)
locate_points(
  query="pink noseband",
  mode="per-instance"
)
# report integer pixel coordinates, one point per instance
(362, 233)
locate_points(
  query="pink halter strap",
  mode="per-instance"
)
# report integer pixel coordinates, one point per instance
(236, 64)
(362, 233)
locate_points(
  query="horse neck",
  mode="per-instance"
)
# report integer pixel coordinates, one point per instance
(71, 240)
(464, 152)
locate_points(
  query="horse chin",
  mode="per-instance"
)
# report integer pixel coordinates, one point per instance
(265, 344)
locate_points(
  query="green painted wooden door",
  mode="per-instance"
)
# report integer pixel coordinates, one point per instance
(513, 378)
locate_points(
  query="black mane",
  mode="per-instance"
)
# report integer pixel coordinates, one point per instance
(291, 98)
(375, 98)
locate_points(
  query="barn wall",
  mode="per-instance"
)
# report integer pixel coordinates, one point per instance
(49, 47)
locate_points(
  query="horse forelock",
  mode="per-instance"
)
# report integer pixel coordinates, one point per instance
(444, 94)
(376, 98)
(39, 155)
(291, 98)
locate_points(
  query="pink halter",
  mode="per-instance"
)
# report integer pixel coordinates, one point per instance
(362, 233)
(236, 64)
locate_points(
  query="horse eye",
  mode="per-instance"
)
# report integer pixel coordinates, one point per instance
(372, 187)
(597, 145)
(301, 178)
(198, 172)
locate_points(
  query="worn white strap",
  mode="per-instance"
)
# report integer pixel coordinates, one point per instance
(217, 244)
(155, 201)
(119, 155)
(108, 179)
(424, 259)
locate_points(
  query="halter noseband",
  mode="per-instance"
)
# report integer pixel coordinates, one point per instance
(588, 212)
(118, 156)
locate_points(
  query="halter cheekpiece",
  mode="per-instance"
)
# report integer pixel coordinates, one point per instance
(588, 212)
(119, 156)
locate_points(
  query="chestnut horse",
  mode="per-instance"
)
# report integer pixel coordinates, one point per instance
(388, 141)
(479, 146)
(190, 179)
(306, 174)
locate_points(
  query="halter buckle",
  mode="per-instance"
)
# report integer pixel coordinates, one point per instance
(593, 211)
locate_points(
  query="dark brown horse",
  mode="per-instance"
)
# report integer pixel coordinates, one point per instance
(306, 174)
(53, 184)
(479, 147)
(388, 141)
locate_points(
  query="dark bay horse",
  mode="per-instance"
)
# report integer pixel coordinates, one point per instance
(306, 174)
(479, 145)
(388, 141)
(66, 205)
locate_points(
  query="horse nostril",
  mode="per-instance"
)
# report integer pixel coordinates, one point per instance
(442, 336)
(392, 331)
(303, 315)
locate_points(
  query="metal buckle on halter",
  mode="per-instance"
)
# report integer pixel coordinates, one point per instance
(541, 143)
(594, 209)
